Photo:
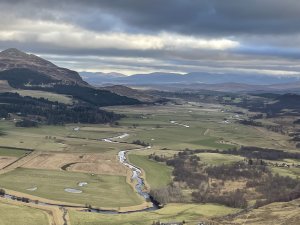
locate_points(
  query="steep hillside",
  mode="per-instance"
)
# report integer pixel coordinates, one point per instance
(15, 59)
(275, 213)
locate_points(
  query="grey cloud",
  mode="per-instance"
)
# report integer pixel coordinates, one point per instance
(200, 17)
(268, 31)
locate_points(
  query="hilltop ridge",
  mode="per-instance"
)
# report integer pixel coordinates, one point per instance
(13, 58)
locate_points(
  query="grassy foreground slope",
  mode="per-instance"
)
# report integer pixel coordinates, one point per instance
(157, 175)
(21, 215)
(276, 213)
(101, 190)
(191, 213)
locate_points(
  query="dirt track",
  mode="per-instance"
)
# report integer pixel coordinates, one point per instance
(56, 215)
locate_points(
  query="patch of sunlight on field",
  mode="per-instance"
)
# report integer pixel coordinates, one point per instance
(218, 159)
(46, 95)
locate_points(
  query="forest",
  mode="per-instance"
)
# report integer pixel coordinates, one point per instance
(31, 111)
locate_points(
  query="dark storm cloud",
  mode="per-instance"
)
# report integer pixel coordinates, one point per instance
(185, 35)
(201, 17)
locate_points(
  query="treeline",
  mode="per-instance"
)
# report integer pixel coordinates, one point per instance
(235, 199)
(186, 169)
(90, 95)
(190, 172)
(250, 152)
(275, 188)
(262, 153)
(236, 171)
(54, 113)
(277, 105)
(141, 143)
(251, 122)
(27, 123)
(168, 194)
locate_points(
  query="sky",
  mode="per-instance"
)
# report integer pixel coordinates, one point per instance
(143, 36)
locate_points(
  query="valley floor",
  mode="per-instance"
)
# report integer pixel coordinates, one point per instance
(42, 162)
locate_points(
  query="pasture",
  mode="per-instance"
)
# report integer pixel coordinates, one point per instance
(21, 215)
(62, 138)
(13, 152)
(206, 127)
(218, 159)
(157, 174)
(190, 213)
(79, 149)
(46, 95)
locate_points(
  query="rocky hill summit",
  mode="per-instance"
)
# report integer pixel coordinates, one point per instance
(15, 59)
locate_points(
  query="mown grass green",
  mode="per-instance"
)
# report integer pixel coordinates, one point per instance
(101, 191)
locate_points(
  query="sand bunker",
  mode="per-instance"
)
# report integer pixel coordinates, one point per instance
(179, 124)
(82, 184)
(73, 191)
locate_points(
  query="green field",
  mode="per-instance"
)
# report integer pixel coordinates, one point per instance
(206, 130)
(191, 213)
(157, 174)
(62, 138)
(12, 152)
(46, 95)
(218, 159)
(21, 215)
(151, 124)
(101, 191)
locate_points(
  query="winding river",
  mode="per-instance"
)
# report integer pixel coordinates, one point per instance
(135, 177)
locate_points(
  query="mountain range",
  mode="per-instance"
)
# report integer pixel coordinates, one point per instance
(19, 69)
(189, 78)
(198, 80)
